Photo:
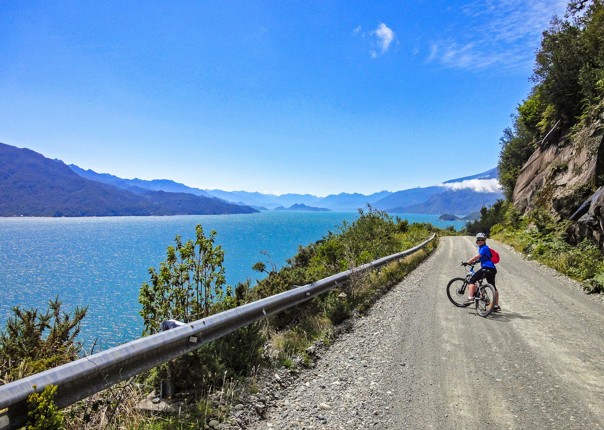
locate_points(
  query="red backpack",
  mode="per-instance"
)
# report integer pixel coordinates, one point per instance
(494, 256)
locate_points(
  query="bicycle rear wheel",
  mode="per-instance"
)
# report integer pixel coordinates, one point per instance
(486, 300)
(456, 292)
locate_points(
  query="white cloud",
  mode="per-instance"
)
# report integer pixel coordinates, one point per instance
(381, 38)
(495, 33)
(478, 185)
(385, 37)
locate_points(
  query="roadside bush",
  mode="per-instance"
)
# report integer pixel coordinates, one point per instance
(373, 235)
(337, 308)
(43, 414)
(34, 341)
(242, 350)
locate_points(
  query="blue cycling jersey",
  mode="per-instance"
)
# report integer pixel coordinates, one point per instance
(485, 257)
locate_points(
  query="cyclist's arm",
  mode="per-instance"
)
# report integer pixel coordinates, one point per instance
(474, 259)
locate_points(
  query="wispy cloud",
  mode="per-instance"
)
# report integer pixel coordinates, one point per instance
(496, 33)
(478, 185)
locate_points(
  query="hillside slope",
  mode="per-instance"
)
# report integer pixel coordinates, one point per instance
(33, 185)
(552, 158)
(136, 185)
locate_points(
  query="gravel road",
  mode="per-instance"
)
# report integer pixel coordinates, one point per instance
(418, 362)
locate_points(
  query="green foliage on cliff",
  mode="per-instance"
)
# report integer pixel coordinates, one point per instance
(569, 83)
(568, 93)
(489, 217)
(569, 67)
(517, 146)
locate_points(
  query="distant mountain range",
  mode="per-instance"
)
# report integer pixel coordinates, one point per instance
(457, 196)
(32, 185)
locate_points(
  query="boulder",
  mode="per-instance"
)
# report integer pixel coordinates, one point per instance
(588, 220)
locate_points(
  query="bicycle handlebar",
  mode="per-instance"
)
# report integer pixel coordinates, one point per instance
(470, 270)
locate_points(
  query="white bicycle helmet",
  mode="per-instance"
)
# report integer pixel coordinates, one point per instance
(481, 236)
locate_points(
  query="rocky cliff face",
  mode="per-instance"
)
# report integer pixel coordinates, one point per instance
(565, 178)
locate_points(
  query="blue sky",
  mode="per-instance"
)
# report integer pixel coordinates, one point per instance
(317, 97)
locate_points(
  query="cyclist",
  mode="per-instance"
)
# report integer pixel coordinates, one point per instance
(487, 269)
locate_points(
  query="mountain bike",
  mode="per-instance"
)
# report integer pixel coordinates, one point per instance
(483, 298)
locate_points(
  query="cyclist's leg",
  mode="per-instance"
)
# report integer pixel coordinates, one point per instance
(472, 284)
(490, 275)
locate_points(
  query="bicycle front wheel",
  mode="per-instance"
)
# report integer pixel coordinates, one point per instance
(486, 300)
(456, 292)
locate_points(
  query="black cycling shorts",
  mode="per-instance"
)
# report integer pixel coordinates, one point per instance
(485, 272)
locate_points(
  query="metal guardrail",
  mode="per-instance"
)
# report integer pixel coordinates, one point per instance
(82, 378)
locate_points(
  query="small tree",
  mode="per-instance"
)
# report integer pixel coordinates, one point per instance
(186, 284)
(488, 218)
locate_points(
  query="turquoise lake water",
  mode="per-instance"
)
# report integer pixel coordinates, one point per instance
(102, 262)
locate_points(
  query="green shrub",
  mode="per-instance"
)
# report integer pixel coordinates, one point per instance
(337, 308)
(489, 218)
(42, 413)
(241, 351)
(34, 341)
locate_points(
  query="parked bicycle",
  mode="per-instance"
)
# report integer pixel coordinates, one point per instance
(483, 298)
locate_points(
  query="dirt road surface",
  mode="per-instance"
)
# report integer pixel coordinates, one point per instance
(418, 362)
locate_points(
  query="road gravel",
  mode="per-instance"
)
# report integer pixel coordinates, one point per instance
(417, 362)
